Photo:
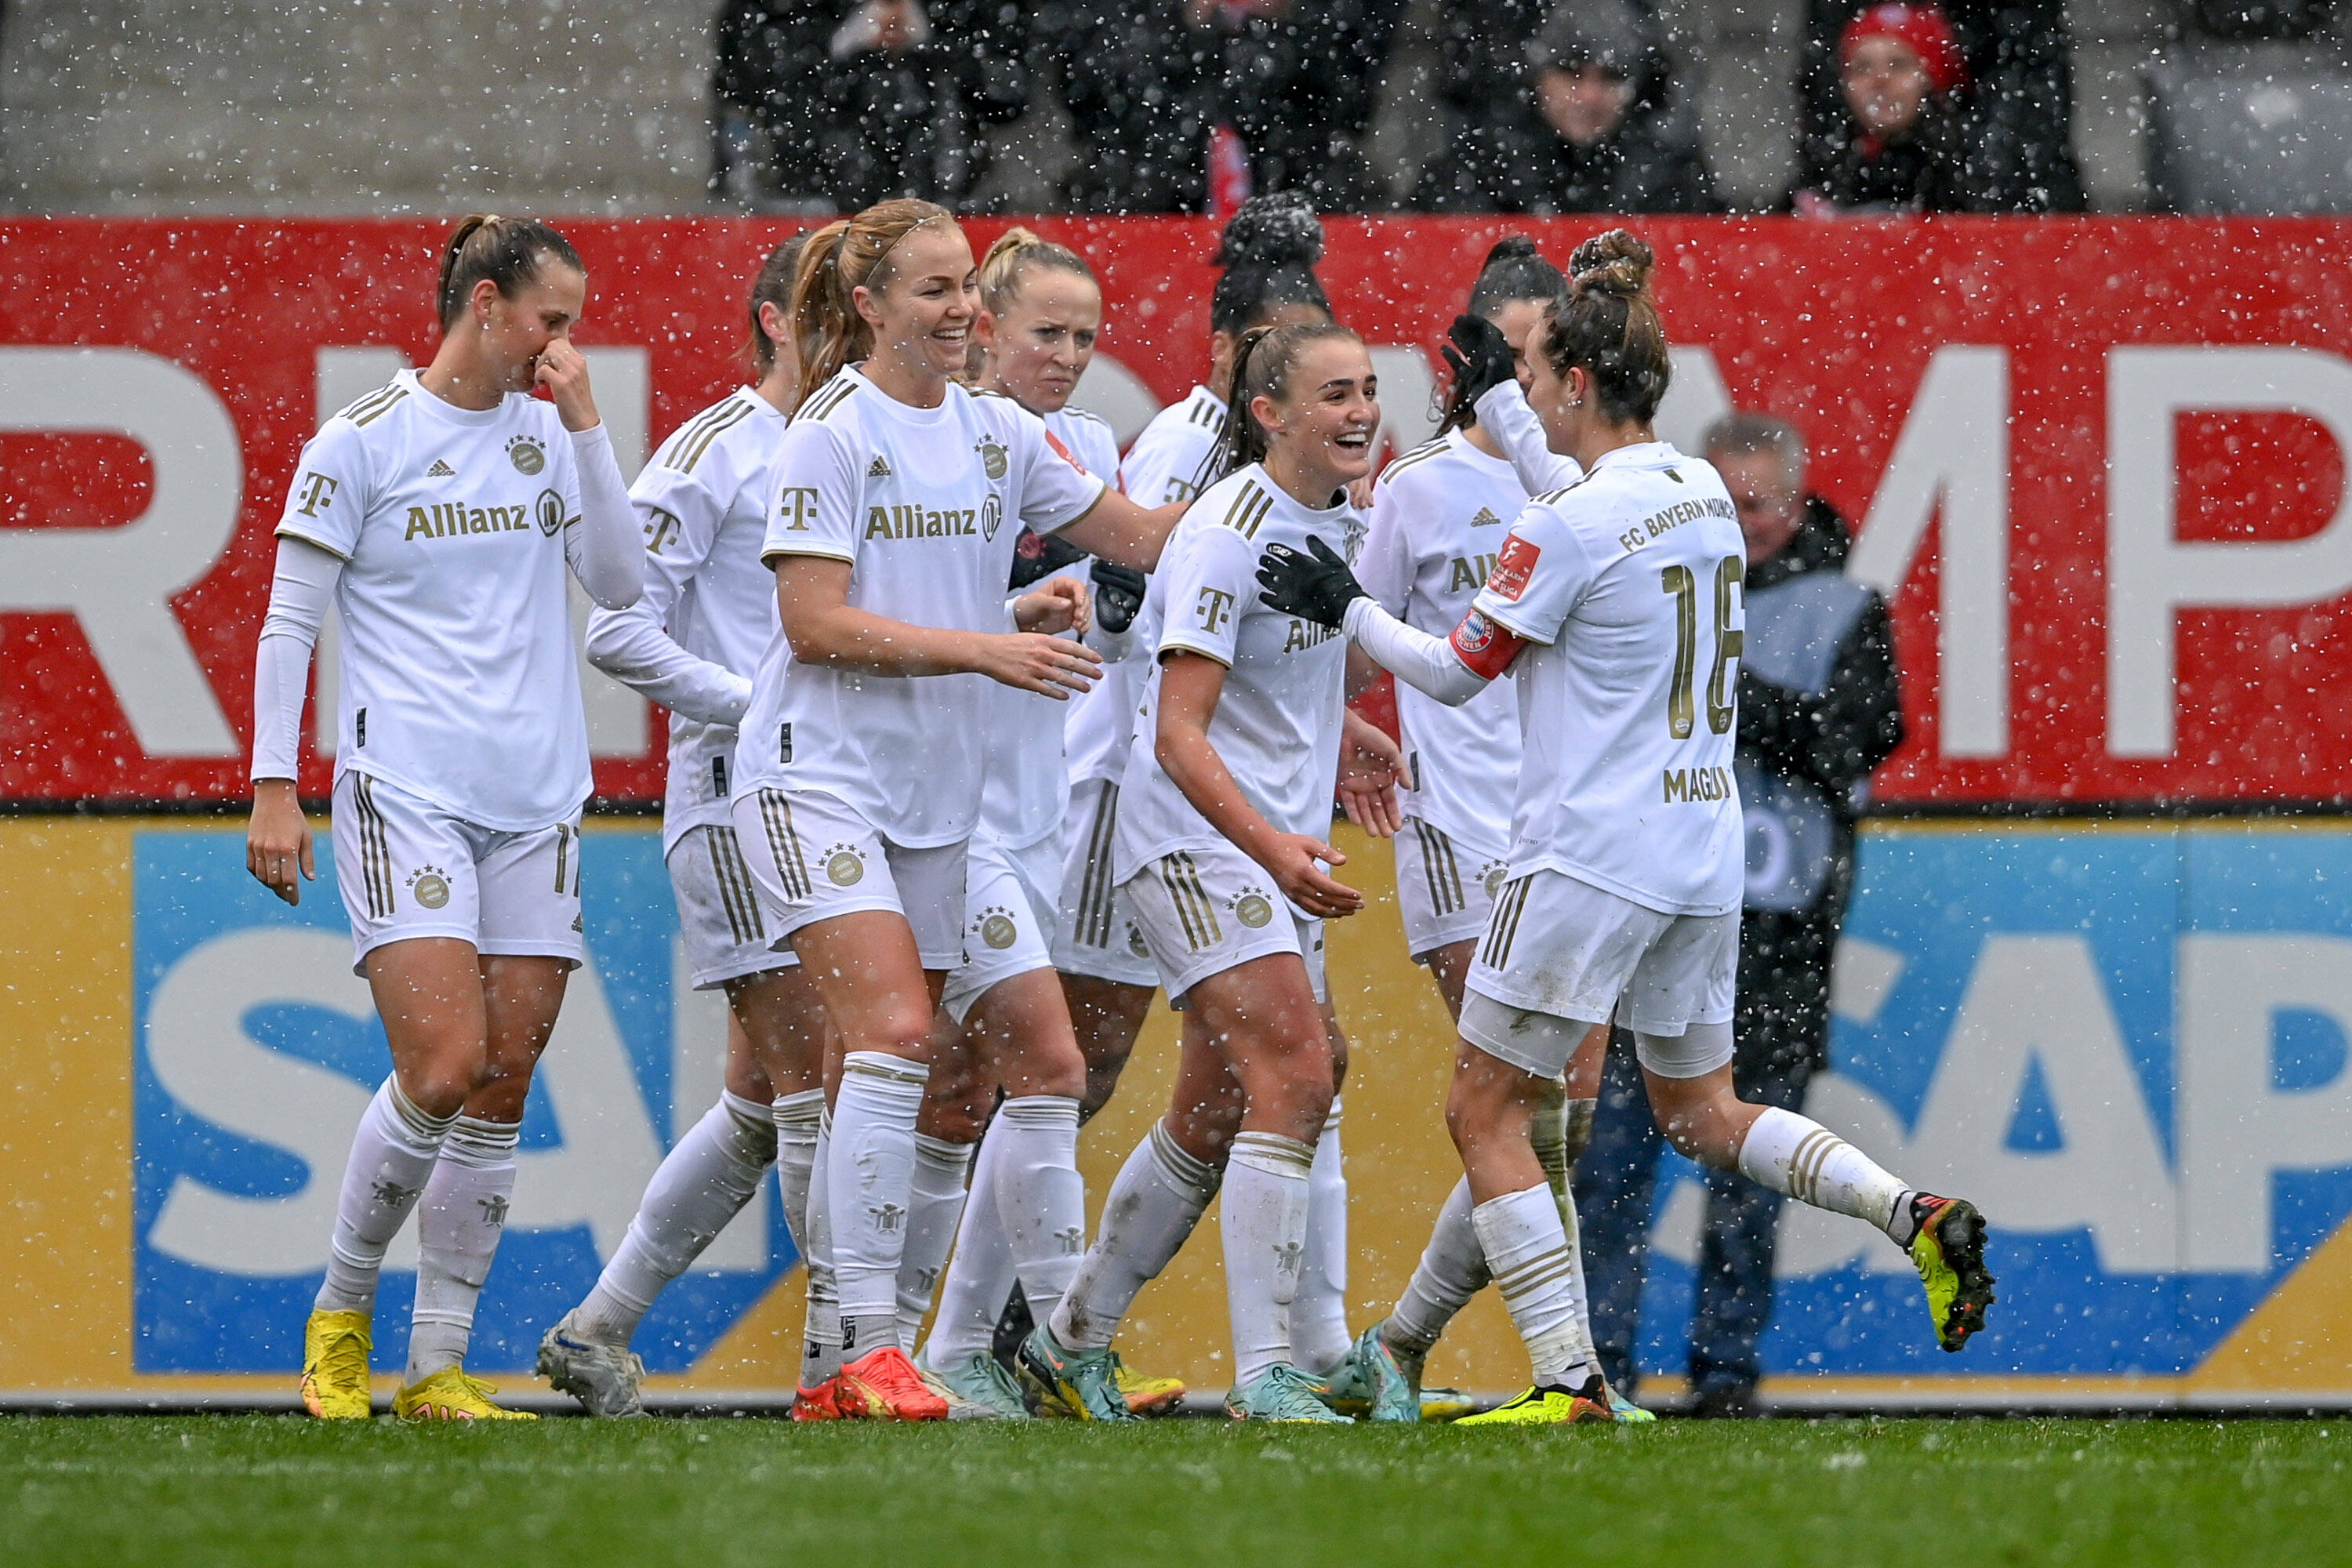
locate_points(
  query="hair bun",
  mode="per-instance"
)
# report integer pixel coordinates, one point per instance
(1510, 248)
(1613, 263)
(1277, 229)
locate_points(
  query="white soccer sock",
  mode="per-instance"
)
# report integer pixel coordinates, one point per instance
(1041, 1199)
(1548, 1131)
(1576, 1130)
(393, 1152)
(1527, 1251)
(1319, 1340)
(981, 1276)
(821, 1336)
(1452, 1269)
(1159, 1196)
(715, 1169)
(869, 1190)
(1802, 1159)
(797, 1117)
(458, 1224)
(1265, 1225)
(935, 1202)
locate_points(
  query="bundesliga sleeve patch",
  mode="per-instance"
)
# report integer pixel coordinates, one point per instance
(1056, 442)
(1514, 567)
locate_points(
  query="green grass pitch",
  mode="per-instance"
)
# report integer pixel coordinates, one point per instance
(189, 1490)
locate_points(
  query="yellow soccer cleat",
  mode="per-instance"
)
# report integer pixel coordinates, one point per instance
(1547, 1407)
(452, 1395)
(1147, 1395)
(1948, 1252)
(335, 1347)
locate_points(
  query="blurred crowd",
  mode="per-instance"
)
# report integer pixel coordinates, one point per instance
(1188, 105)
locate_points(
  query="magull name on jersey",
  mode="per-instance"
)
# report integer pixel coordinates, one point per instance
(447, 519)
(906, 522)
(1674, 517)
(1698, 785)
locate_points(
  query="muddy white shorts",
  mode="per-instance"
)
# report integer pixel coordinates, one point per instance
(1094, 930)
(813, 859)
(718, 910)
(1008, 913)
(1205, 910)
(1446, 889)
(1564, 949)
(408, 869)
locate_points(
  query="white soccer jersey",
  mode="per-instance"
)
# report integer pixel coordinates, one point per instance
(926, 505)
(1028, 787)
(1276, 727)
(1174, 459)
(1631, 581)
(459, 683)
(710, 605)
(1440, 515)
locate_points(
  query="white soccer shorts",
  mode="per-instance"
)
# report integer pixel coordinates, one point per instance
(1561, 948)
(718, 910)
(1094, 930)
(1008, 911)
(1446, 889)
(408, 869)
(1205, 910)
(813, 859)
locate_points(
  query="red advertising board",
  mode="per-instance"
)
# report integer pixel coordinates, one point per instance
(2100, 461)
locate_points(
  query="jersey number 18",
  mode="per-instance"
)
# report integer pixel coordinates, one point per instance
(1721, 683)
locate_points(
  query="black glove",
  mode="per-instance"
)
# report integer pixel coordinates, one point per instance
(1317, 587)
(1036, 556)
(1119, 594)
(1479, 356)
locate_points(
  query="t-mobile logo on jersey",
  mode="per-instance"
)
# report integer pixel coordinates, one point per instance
(318, 490)
(797, 505)
(1216, 608)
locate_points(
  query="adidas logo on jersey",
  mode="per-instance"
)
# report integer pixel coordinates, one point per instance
(880, 470)
(440, 470)
(1485, 518)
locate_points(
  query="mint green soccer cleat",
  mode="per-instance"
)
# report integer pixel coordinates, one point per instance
(980, 1385)
(1283, 1392)
(1628, 1414)
(1373, 1383)
(1083, 1384)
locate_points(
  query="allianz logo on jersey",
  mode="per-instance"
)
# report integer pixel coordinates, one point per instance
(450, 520)
(913, 521)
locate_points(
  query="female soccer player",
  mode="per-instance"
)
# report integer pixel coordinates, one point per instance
(691, 644)
(439, 513)
(1227, 799)
(899, 496)
(1267, 255)
(1439, 514)
(1617, 605)
(1041, 312)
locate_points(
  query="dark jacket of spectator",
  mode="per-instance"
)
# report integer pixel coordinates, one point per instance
(1898, 148)
(854, 115)
(1298, 81)
(2015, 120)
(1146, 83)
(1132, 78)
(1592, 129)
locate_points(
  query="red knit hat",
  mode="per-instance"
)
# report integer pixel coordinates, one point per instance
(1922, 28)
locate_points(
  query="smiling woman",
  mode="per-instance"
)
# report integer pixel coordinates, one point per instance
(899, 499)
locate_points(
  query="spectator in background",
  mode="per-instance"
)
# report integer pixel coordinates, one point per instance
(865, 100)
(1591, 132)
(2014, 118)
(1820, 708)
(1898, 148)
(1296, 80)
(1133, 78)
